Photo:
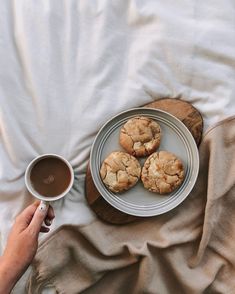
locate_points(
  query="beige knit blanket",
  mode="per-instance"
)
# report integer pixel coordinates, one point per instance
(188, 250)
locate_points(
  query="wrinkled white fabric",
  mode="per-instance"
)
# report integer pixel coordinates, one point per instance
(68, 66)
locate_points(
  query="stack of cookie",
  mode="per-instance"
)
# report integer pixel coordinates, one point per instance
(162, 171)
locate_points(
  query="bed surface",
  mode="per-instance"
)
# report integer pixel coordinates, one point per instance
(68, 66)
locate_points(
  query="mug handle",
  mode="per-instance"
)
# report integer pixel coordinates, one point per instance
(43, 205)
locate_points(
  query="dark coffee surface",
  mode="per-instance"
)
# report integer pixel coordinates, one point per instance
(50, 177)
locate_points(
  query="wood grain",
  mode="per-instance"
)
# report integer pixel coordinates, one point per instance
(185, 112)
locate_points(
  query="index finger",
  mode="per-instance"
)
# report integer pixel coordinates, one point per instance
(50, 216)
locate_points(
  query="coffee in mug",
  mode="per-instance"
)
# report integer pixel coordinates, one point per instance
(49, 177)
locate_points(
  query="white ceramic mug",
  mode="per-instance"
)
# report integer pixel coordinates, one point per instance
(45, 200)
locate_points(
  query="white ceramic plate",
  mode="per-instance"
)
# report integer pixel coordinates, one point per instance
(176, 138)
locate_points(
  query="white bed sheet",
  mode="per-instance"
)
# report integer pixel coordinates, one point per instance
(68, 66)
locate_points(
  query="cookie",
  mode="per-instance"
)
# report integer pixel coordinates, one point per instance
(140, 136)
(120, 171)
(162, 172)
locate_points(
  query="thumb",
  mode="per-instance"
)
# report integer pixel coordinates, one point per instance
(38, 218)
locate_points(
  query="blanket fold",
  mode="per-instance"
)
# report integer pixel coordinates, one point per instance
(187, 250)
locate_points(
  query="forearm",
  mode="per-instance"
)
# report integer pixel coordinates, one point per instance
(8, 276)
(22, 244)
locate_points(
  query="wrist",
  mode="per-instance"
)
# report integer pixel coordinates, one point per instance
(8, 276)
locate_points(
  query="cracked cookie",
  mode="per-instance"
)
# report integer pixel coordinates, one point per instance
(140, 136)
(120, 171)
(162, 172)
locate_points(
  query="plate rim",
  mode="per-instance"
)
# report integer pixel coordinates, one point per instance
(192, 182)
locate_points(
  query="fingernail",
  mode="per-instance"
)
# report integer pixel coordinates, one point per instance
(49, 222)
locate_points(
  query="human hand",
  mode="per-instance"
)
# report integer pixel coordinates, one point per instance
(22, 244)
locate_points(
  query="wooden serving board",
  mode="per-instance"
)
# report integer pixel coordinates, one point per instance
(185, 112)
